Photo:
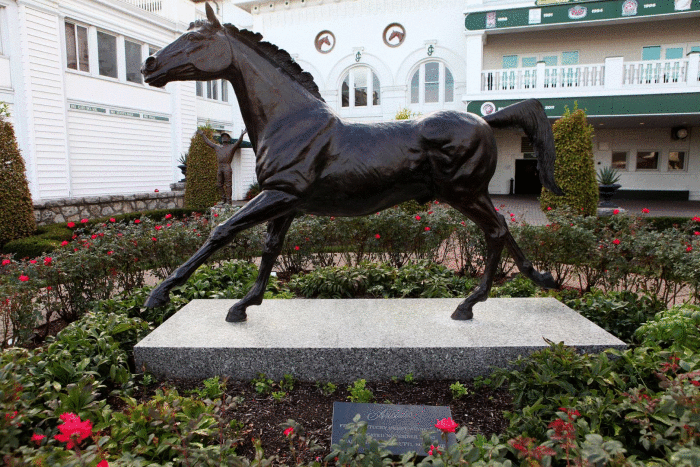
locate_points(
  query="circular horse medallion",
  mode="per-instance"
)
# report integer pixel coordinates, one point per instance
(325, 41)
(394, 35)
(487, 108)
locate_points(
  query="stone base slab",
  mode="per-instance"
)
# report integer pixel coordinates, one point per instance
(344, 340)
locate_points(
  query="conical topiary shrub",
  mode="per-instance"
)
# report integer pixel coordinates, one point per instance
(201, 190)
(574, 169)
(16, 208)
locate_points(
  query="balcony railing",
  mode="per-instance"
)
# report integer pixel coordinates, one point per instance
(159, 7)
(550, 76)
(656, 72)
(613, 74)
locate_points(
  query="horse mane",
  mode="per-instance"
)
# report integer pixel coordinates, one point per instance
(278, 57)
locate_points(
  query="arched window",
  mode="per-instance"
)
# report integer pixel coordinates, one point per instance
(359, 83)
(432, 82)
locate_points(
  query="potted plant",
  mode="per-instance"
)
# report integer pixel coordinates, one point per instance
(607, 186)
(182, 160)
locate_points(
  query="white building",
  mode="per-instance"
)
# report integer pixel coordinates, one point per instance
(88, 126)
(632, 64)
(86, 123)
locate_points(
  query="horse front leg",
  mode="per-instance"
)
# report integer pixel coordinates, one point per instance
(276, 230)
(268, 205)
(493, 225)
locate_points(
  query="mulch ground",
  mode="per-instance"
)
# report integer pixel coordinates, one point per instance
(260, 416)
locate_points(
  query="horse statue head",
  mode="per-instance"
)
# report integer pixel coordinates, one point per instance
(203, 53)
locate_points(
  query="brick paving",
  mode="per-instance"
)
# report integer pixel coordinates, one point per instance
(527, 208)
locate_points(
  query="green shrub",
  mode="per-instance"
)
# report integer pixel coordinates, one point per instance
(458, 390)
(420, 279)
(680, 325)
(201, 190)
(359, 392)
(16, 208)
(253, 191)
(574, 170)
(619, 313)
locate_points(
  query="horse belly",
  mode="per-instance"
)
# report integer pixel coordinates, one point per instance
(369, 188)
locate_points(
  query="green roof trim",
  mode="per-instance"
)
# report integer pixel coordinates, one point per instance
(655, 104)
(571, 13)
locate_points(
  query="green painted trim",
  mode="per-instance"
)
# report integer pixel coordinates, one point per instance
(654, 104)
(561, 14)
(88, 108)
(155, 117)
(123, 113)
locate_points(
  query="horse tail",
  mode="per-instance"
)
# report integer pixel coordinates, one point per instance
(529, 115)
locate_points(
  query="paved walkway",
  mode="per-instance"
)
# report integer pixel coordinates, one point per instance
(527, 208)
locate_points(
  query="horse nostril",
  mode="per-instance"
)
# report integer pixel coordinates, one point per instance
(150, 64)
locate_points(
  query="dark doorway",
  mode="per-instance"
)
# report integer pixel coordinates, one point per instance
(527, 179)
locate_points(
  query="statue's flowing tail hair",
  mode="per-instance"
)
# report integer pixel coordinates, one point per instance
(529, 116)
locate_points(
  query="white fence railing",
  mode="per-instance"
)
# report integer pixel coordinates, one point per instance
(614, 74)
(153, 6)
(656, 72)
(548, 77)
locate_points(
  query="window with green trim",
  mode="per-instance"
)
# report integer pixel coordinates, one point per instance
(528, 62)
(510, 61)
(651, 53)
(569, 58)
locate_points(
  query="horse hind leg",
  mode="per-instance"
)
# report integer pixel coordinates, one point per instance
(544, 280)
(493, 225)
(276, 230)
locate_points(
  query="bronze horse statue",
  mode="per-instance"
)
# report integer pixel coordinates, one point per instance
(309, 160)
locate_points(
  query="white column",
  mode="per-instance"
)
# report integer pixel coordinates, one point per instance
(474, 61)
(539, 71)
(614, 72)
(694, 69)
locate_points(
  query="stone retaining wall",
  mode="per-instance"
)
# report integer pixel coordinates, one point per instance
(74, 209)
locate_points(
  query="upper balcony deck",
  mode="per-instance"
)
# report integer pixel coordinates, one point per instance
(613, 76)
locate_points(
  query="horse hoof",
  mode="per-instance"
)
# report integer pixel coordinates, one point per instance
(462, 315)
(236, 316)
(157, 298)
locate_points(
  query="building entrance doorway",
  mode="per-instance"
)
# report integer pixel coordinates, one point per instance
(527, 177)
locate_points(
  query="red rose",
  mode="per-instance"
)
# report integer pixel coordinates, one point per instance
(446, 425)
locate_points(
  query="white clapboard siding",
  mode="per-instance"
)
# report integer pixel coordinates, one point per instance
(246, 172)
(41, 41)
(118, 155)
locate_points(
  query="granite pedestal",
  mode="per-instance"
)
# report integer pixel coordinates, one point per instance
(344, 340)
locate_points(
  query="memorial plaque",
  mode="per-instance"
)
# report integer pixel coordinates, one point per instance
(406, 423)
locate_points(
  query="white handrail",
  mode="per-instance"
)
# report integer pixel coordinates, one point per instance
(655, 72)
(518, 79)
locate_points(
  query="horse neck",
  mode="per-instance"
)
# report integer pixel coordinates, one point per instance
(265, 94)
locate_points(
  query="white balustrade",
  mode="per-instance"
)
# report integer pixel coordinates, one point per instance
(159, 7)
(656, 73)
(543, 77)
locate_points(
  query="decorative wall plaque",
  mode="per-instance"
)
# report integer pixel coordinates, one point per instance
(325, 41)
(394, 35)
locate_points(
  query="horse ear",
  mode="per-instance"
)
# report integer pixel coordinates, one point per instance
(211, 16)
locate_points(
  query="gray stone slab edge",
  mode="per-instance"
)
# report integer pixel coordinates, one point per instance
(335, 365)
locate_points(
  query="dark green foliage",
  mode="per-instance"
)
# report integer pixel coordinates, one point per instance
(16, 208)
(619, 313)
(418, 279)
(573, 170)
(201, 190)
(47, 238)
(680, 326)
(253, 191)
